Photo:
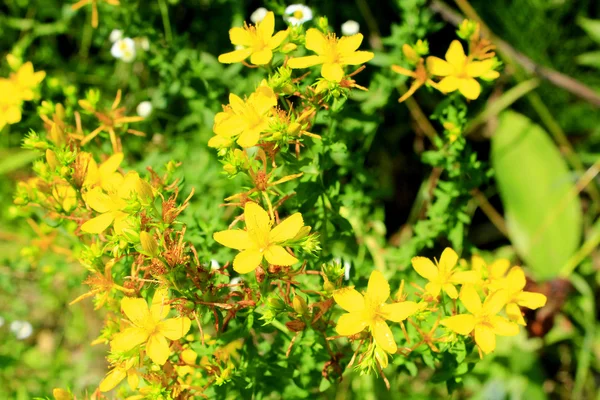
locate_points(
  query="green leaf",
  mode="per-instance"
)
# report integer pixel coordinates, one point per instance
(591, 59)
(543, 212)
(591, 27)
(16, 160)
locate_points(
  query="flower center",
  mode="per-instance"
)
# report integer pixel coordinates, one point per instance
(298, 14)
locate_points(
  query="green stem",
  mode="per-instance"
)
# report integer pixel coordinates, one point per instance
(164, 12)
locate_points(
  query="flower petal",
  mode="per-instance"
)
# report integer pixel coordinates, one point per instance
(287, 229)
(439, 67)
(110, 165)
(450, 290)
(230, 126)
(240, 37)
(235, 56)
(98, 200)
(449, 84)
(332, 72)
(249, 138)
(316, 41)
(98, 224)
(266, 27)
(357, 58)
(485, 338)
(463, 324)
(136, 309)
(349, 299)
(351, 323)
(277, 255)
(158, 349)
(469, 88)
(277, 39)
(378, 289)
(495, 302)
(383, 336)
(503, 327)
(304, 62)
(261, 57)
(398, 312)
(233, 238)
(425, 267)
(514, 313)
(257, 220)
(159, 308)
(515, 280)
(128, 339)
(174, 328)
(433, 288)
(462, 277)
(498, 268)
(448, 260)
(531, 300)
(470, 299)
(478, 68)
(456, 55)
(112, 379)
(349, 44)
(247, 261)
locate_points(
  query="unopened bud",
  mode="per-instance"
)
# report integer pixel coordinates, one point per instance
(300, 305)
(149, 244)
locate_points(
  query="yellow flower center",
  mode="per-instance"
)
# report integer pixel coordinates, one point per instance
(258, 42)
(332, 55)
(298, 14)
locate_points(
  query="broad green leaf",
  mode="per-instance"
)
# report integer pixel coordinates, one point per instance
(16, 160)
(543, 212)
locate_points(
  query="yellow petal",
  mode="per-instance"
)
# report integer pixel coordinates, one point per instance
(110, 165)
(304, 62)
(485, 338)
(514, 313)
(237, 104)
(378, 289)
(136, 310)
(351, 323)
(349, 44)
(515, 280)
(133, 378)
(478, 68)
(357, 58)
(159, 309)
(495, 302)
(257, 220)
(462, 324)
(249, 138)
(433, 288)
(469, 88)
(277, 255)
(349, 299)
(383, 336)
(478, 265)
(470, 299)
(129, 185)
(174, 328)
(157, 349)
(398, 312)
(261, 57)
(287, 229)
(332, 72)
(98, 200)
(503, 327)
(277, 39)
(449, 84)
(531, 300)
(450, 290)
(98, 224)
(439, 67)
(425, 268)
(122, 221)
(235, 56)
(112, 379)
(462, 277)
(490, 75)
(498, 268)
(230, 126)
(240, 37)
(247, 261)
(266, 27)
(128, 339)
(233, 238)
(403, 71)
(448, 260)
(456, 55)
(316, 41)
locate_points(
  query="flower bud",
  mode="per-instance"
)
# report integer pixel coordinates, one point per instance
(300, 305)
(51, 159)
(149, 245)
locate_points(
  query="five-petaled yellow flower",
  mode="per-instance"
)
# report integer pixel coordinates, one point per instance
(460, 71)
(10, 103)
(489, 277)
(371, 311)
(483, 318)
(443, 276)
(260, 240)
(105, 175)
(256, 42)
(26, 80)
(333, 53)
(244, 119)
(149, 326)
(517, 297)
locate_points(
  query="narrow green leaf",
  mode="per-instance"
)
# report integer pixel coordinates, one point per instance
(591, 27)
(16, 160)
(543, 216)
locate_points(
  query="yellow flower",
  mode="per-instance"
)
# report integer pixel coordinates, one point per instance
(150, 327)
(10, 103)
(482, 318)
(260, 239)
(26, 80)
(371, 311)
(126, 369)
(488, 276)
(517, 297)
(244, 119)
(333, 53)
(256, 42)
(105, 175)
(111, 205)
(460, 71)
(443, 276)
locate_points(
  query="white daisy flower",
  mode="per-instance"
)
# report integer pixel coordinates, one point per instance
(350, 28)
(297, 14)
(124, 49)
(144, 109)
(21, 329)
(115, 35)
(258, 15)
